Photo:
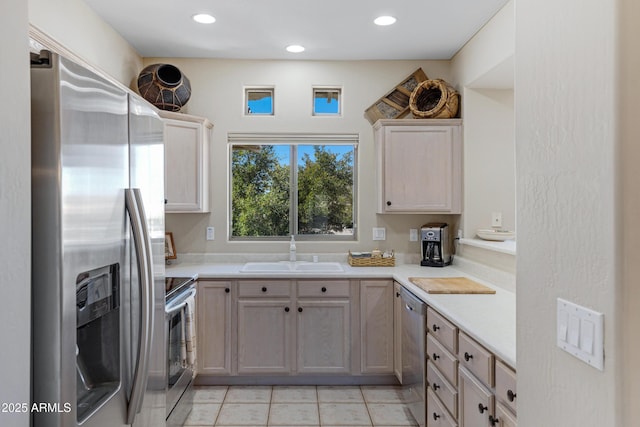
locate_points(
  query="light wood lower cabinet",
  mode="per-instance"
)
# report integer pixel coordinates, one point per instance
(324, 336)
(376, 322)
(504, 417)
(264, 336)
(476, 401)
(397, 331)
(214, 327)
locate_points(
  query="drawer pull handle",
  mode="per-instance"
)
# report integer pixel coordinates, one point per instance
(388, 203)
(436, 416)
(435, 356)
(323, 289)
(511, 395)
(467, 356)
(493, 420)
(264, 289)
(435, 386)
(286, 309)
(482, 408)
(397, 294)
(299, 309)
(435, 327)
(227, 290)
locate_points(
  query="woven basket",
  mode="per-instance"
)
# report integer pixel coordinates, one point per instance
(371, 262)
(434, 99)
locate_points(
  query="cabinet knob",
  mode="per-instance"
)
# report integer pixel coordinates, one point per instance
(286, 309)
(435, 327)
(511, 395)
(397, 294)
(323, 289)
(227, 290)
(264, 289)
(299, 309)
(434, 356)
(435, 386)
(388, 203)
(436, 416)
(482, 408)
(467, 356)
(493, 420)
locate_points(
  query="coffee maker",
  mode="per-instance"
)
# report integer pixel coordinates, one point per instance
(435, 245)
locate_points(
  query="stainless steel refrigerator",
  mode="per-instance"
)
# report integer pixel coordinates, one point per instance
(97, 251)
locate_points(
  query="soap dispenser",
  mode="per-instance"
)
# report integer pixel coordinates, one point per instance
(292, 249)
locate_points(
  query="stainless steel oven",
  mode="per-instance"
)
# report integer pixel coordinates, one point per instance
(180, 373)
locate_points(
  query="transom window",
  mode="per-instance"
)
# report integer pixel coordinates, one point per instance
(327, 101)
(258, 101)
(293, 184)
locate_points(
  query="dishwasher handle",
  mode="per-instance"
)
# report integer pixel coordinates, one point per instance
(413, 303)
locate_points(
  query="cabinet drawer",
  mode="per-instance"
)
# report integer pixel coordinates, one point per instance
(506, 385)
(446, 363)
(445, 331)
(264, 288)
(323, 288)
(437, 416)
(475, 358)
(476, 401)
(446, 392)
(505, 418)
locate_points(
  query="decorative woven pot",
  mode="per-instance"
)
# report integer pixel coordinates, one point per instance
(434, 99)
(164, 86)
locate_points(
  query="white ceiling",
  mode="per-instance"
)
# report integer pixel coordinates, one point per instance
(329, 29)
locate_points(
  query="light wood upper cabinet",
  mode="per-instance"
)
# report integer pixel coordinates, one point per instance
(419, 166)
(214, 327)
(186, 162)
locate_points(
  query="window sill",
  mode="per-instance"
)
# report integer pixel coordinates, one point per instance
(506, 247)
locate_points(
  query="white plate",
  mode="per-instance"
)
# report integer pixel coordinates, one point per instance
(495, 235)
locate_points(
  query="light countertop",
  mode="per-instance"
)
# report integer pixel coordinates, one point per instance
(489, 318)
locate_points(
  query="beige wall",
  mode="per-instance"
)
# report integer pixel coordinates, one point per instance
(218, 95)
(75, 26)
(567, 206)
(483, 73)
(15, 222)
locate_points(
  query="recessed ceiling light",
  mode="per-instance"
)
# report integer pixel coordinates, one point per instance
(295, 48)
(204, 18)
(384, 20)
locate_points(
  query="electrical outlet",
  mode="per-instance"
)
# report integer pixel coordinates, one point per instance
(413, 234)
(379, 233)
(211, 233)
(496, 219)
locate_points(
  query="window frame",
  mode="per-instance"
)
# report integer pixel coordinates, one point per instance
(337, 89)
(293, 140)
(261, 89)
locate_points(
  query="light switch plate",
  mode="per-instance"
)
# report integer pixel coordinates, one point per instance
(211, 233)
(413, 234)
(379, 233)
(580, 332)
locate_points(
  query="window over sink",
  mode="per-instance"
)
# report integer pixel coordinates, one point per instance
(300, 184)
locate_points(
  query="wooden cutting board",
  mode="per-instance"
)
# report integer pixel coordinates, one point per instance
(450, 285)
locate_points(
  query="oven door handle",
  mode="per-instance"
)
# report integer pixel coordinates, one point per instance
(142, 242)
(171, 308)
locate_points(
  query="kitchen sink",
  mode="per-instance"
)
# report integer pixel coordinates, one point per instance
(291, 267)
(318, 266)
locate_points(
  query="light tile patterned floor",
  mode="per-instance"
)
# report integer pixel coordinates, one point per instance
(300, 406)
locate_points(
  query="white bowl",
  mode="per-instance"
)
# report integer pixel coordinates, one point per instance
(495, 235)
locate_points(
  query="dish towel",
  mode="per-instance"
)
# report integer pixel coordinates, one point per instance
(189, 333)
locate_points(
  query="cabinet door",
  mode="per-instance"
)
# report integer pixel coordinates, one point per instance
(214, 328)
(264, 336)
(397, 331)
(376, 322)
(186, 172)
(324, 337)
(475, 400)
(421, 169)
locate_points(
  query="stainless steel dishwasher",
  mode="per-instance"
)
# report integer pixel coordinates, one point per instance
(413, 355)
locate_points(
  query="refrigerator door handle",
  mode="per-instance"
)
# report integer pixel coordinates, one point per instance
(142, 244)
